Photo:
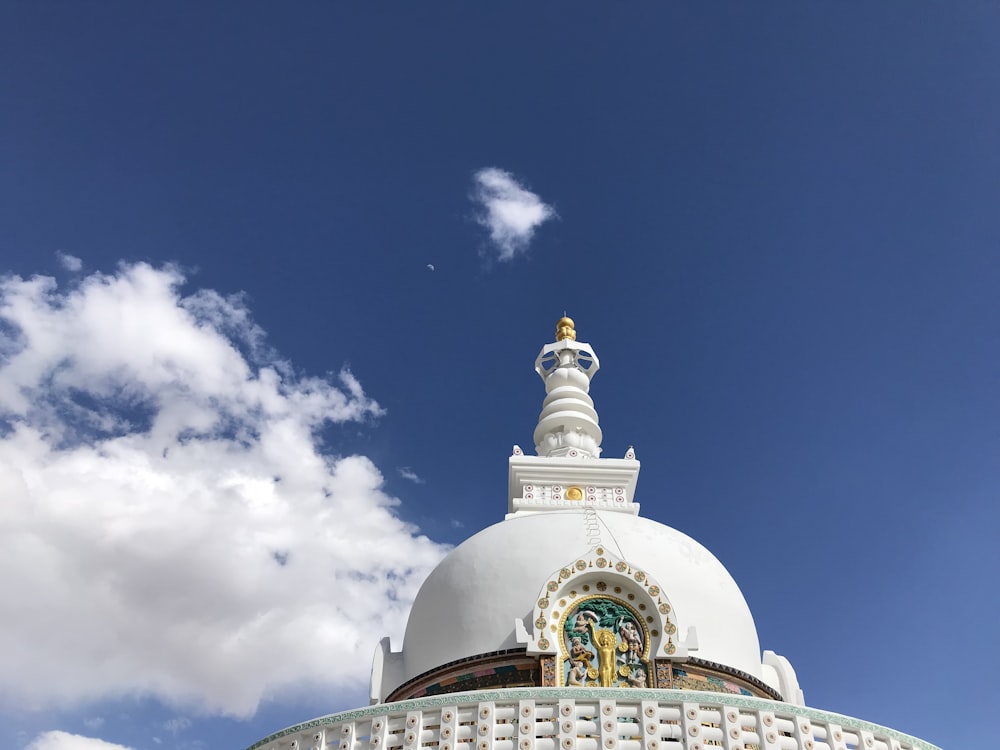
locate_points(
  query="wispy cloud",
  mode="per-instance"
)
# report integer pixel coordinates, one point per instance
(177, 724)
(508, 210)
(65, 741)
(407, 473)
(164, 489)
(69, 262)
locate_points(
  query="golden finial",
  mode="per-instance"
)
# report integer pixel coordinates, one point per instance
(565, 330)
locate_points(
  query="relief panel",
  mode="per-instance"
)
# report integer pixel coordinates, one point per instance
(605, 643)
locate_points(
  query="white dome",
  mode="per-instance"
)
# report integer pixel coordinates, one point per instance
(469, 603)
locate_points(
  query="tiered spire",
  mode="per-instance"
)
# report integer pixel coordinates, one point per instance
(568, 425)
(568, 471)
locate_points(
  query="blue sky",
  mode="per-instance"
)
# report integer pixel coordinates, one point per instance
(240, 416)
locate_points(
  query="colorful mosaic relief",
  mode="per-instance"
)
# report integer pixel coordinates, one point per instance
(605, 644)
(549, 671)
(685, 680)
(504, 675)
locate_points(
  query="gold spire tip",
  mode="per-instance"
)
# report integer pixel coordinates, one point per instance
(565, 329)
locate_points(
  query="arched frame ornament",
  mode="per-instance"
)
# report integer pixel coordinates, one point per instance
(620, 592)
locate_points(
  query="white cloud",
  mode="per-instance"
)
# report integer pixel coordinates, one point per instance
(177, 724)
(64, 741)
(407, 473)
(170, 524)
(69, 262)
(508, 210)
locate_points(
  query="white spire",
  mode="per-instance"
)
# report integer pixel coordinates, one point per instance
(568, 424)
(568, 472)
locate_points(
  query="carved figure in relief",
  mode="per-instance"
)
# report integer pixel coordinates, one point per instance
(631, 638)
(580, 654)
(606, 642)
(637, 677)
(582, 618)
(577, 674)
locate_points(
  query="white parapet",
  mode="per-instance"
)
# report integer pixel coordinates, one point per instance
(588, 719)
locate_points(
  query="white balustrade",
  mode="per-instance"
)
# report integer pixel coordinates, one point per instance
(588, 719)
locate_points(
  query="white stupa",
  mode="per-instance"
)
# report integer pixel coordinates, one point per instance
(577, 624)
